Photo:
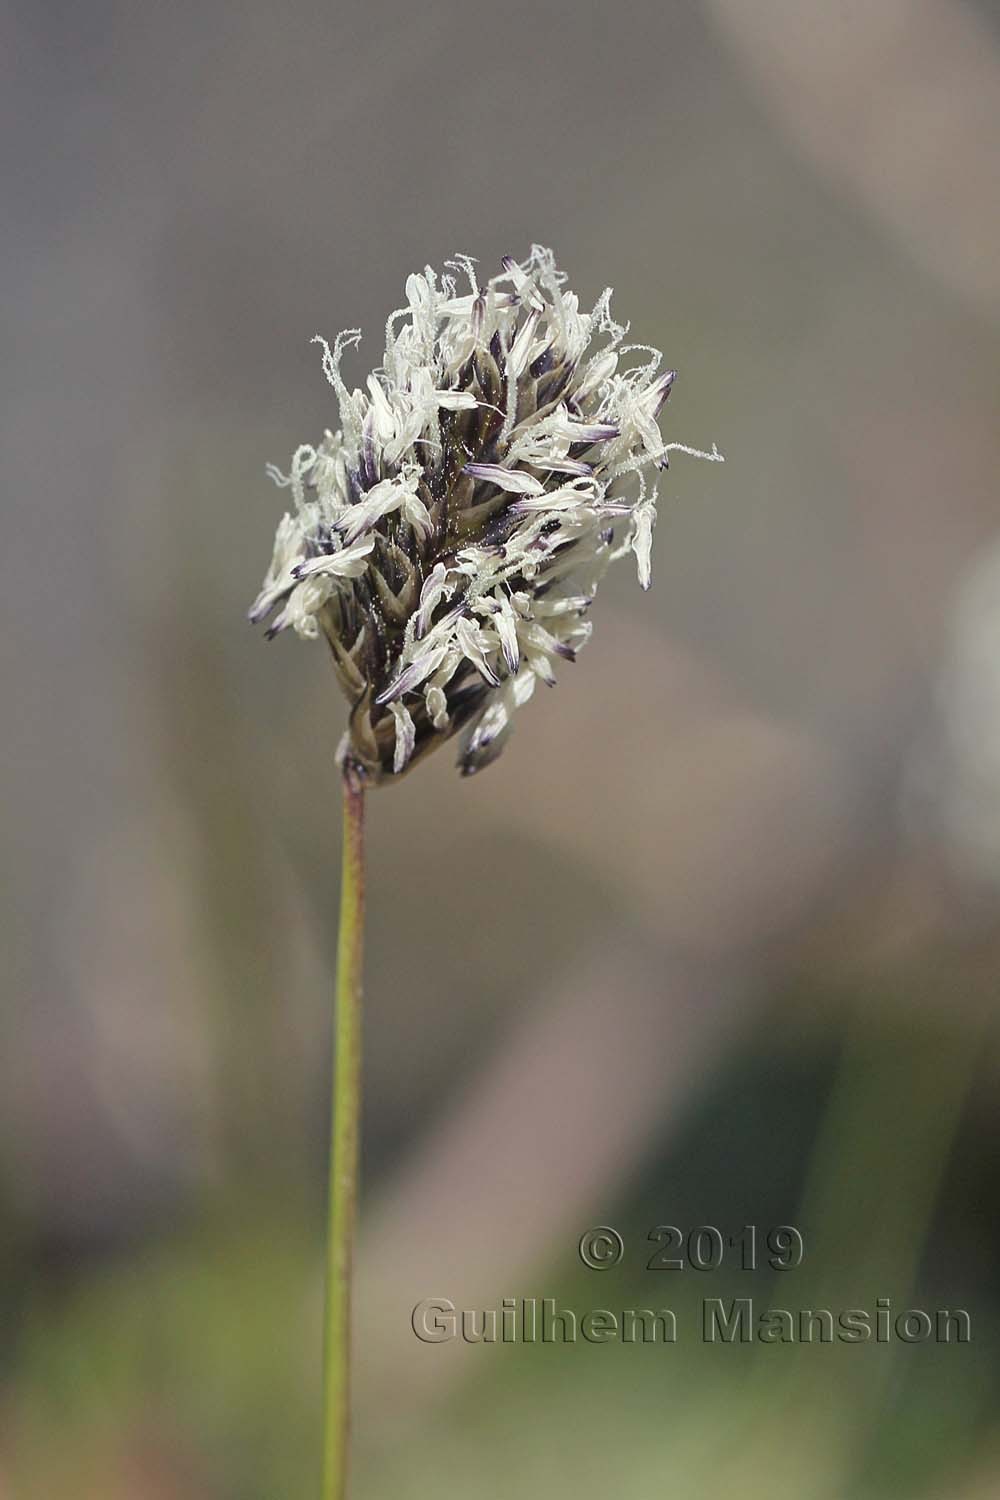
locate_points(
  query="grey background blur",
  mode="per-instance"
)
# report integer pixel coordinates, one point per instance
(717, 937)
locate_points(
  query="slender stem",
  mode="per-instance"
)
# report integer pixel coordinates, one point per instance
(344, 1141)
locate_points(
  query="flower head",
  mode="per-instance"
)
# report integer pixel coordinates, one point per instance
(448, 539)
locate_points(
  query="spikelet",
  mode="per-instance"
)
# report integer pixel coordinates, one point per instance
(448, 539)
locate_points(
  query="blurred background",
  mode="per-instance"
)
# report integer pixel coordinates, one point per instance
(717, 941)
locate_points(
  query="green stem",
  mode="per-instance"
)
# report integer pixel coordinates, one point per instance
(344, 1142)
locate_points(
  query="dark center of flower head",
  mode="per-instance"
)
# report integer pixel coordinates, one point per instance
(448, 539)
